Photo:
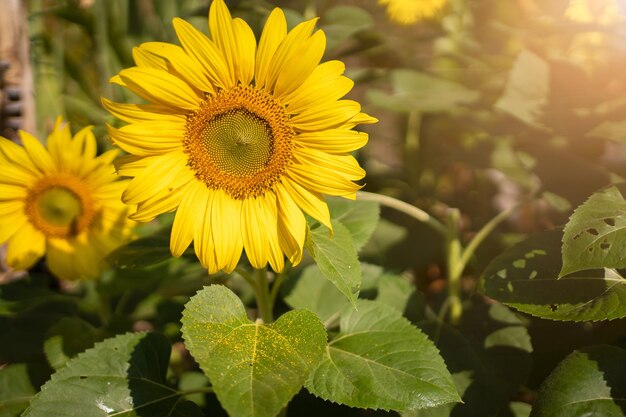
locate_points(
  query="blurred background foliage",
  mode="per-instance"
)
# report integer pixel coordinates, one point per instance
(488, 104)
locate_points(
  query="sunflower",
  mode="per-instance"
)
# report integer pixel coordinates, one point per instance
(241, 140)
(406, 12)
(62, 201)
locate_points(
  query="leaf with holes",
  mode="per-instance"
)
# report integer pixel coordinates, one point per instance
(379, 360)
(588, 382)
(595, 235)
(255, 369)
(124, 375)
(525, 277)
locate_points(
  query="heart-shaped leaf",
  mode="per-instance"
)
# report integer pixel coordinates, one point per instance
(379, 360)
(588, 382)
(124, 375)
(359, 217)
(255, 369)
(595, 235)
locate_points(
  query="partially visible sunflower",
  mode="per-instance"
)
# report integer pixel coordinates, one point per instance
(407, 12)
(62, 201)
(240, 139)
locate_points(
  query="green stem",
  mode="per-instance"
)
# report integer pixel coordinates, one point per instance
(405, 208)
(263, 299)
(453, 256)
(482, 234)
(278, 282)
(247, 276)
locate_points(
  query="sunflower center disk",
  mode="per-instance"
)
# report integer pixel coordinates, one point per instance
(60, 207)
(239, 141)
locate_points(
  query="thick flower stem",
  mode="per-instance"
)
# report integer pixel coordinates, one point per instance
(263, 298)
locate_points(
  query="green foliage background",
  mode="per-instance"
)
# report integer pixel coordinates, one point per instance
(504, 110)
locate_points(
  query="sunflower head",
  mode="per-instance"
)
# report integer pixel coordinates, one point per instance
(408, 12)
(62, 201)
(239, 137)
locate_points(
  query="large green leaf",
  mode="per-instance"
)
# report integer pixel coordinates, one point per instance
(595, 235)
(359, 217)
(379, 360)
(418, 91)
(16, 390)
(124, 375)
(337, 258)
(588, 382)
(526, 278)
(142, 252)
(255, 369)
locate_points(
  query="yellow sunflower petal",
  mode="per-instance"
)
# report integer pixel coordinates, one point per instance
(257, 216)
(197, 45)
(10, 174)
(203, 233)
(164, 202)
(132, 165)
(60, 259)
(148, 138)
(226, 230)
(188, 68)
(246, 50)
(345, 165)
(310, 202)
(291, 225)
(273, 34)
(156, 177)
(359, 119)
(16, 154)
(84, 143)
(287, 50)
(293, 75)
(26, 246)
(12, 192)
(324, 85)
(143, 58)
(187, 218)
(11, 221)
(325, 117)
(223, 34)
(132, 113)
(161, 87)
(335, 141)
(36, 151)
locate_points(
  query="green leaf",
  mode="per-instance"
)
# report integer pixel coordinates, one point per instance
(595, 235)
(336, 258)
(16, 390)
(142, 252)
(588, 382)
(379, 360)
(314, 292)
(527, 90)
(418, 91)
(122, 375)
(359, 217)
(525, 277)
(341, 22)
(66, 339)
(255, 369)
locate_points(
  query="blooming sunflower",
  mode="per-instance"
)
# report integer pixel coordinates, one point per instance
(239, 139)
(62, 201)
(407, 12)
